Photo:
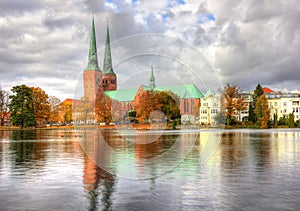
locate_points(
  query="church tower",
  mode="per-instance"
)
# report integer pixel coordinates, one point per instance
(92, 74)
(152, 79)
(109, 78)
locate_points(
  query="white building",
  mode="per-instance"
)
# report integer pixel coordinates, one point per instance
(209, 108)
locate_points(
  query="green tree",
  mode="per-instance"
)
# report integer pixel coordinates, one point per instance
(251, 117)
(262, 111)
(257, 93)
(220, 118)
(275, 120)
(4, 101)
(21, 106)
(169, 105)
(291, 120)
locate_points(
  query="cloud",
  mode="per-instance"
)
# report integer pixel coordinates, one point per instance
(242, 42)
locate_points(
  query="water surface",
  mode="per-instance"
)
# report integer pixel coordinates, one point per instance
(154, 170)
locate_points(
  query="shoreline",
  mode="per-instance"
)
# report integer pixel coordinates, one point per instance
(134, 127)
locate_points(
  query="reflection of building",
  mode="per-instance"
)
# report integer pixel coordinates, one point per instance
(97, 81)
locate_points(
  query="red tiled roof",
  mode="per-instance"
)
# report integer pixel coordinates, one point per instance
(267, 90)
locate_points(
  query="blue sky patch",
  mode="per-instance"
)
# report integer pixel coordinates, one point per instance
(181, 1)
(205, 18)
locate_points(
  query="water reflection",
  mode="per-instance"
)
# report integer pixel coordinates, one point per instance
(231, 170)
(97, 180)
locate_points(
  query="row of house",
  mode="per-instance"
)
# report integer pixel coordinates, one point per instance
(279, 103)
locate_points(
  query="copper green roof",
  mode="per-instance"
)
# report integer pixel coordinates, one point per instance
(125, 95)
(152, 79)
(93, 56)
(183, 91)
(210, 92)
(107, 63)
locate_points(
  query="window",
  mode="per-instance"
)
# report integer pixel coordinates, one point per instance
(284, 110)
(214, 111)
(205, 104)
(295, 103)
(203, 111)
(276, 103)
(284, 103)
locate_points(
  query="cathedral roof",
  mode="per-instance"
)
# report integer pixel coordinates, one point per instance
(122, 95)
(93, 56)
(107, 63)
(185, 91)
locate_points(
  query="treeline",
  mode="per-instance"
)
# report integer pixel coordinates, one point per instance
(30, 107)
(233, 103)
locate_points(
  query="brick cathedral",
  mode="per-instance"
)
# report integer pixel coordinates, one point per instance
(105, 81)
(94, 79)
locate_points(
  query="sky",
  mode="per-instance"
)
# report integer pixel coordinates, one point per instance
(44, 43)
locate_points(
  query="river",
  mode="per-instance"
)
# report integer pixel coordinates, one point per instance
(150, 170)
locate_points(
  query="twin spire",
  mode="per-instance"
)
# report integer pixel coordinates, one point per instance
(93, 56)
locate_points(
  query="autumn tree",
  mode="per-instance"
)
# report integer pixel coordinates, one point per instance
(4, 101)
(232, 103)
(41, 105)
(84, 110)
(262, 111)
(64, 111)
(147, 102)
(103, 108)
(21, 106)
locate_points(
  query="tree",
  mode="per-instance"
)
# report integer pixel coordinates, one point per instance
(232, 103)
(147, 102)
(4, 101)
(21, 106)
(64, 111)
(262, 111)
(84, 110)
(291, 120)
(220, 118)
(275, 120)
(169, 104)
(41, 106)
(103, 108)
(251, 117)
(257, 93)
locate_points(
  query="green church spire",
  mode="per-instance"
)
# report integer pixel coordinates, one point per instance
(107, 64)
(93, 57)
(152, 79)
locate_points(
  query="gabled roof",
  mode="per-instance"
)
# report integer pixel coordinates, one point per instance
(267, 90)
(125, 95)
(210, 92)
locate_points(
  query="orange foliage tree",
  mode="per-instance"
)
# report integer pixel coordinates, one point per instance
(148, 101)
(262, 111)
(232, 103)
(103, 109)
(41, 106)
